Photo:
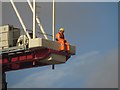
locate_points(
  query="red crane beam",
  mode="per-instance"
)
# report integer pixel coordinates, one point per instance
(29, 59)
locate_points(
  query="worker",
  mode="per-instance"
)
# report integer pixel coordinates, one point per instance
(64, 45)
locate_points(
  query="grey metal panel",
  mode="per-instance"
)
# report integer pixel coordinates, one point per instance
(55, 45)
(11, 49)
(40, 42)
(50, 44)
(72, 49)
(54, 59)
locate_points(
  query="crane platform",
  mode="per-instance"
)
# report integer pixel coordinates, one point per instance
(41, 52)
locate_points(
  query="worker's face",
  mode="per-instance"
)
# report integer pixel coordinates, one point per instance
(62, 31)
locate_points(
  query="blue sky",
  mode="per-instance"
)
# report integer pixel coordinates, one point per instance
(92, 27)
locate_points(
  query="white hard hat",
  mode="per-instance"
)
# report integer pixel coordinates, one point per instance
(61, 29)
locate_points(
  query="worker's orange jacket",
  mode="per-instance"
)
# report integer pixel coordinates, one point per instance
(61, 39)
(59, 36)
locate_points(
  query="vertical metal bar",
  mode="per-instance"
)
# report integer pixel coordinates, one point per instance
(20, 19)
(53, 66)
(53, 25)
(34, 19)
(38, 21)
(4, 83)
(53, 20)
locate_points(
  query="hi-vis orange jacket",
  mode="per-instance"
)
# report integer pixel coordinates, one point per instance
(59, 36)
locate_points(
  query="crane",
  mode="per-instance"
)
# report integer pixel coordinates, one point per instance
(28, 51)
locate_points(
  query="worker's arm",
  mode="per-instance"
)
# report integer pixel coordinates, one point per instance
(56, 39)
(57, 36)
(65, 41)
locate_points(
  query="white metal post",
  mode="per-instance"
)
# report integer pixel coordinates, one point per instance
(20, 19)
(38, 20)
(53, 20)
(34, 19)
(53, 25)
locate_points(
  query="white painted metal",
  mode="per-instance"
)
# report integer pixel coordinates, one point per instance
(8, 36)
(34, 17)
(38, 21)
(20, 19)
(22, 41)
(53, 20)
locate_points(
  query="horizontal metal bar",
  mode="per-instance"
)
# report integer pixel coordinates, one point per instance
(11, 49)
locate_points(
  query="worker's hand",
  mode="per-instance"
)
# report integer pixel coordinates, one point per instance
(65, 41)
(56, 39)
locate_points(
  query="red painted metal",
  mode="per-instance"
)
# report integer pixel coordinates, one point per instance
(28, 60)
